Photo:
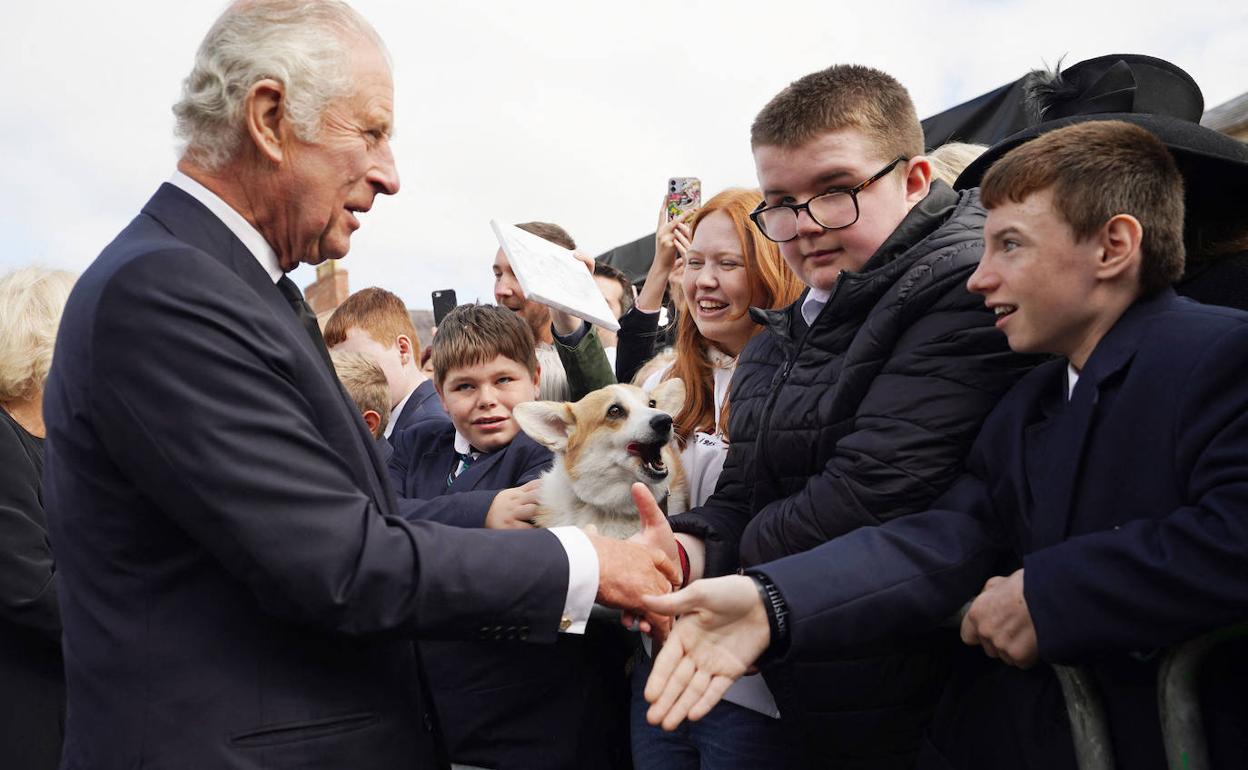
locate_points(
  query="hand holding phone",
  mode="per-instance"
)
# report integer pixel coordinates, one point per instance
(443, 303)
(684, 194)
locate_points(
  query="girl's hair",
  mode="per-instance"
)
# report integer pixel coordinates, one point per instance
(772, 285)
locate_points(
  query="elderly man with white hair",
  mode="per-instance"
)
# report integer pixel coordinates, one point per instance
(237, 590)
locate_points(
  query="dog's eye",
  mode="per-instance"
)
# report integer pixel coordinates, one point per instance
(653, 403)
(615, 412)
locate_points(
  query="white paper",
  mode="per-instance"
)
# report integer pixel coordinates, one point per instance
(549, 274)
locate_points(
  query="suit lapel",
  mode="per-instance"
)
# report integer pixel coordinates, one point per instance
(188, 220)
(475, 473)
(1059, 456)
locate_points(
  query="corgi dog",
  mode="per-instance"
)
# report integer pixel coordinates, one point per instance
(603, 444)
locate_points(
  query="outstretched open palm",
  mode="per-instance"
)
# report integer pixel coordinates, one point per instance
(722, 629)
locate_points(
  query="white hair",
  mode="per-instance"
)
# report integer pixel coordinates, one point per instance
(303, 44)
(31, 302)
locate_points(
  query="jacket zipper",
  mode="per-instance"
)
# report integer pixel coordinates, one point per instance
(774, 396)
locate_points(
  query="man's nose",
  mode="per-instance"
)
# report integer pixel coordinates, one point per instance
(384, 175)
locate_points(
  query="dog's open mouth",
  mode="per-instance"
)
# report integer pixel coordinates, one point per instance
(651, 456)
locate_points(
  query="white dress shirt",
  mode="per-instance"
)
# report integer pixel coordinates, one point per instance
(1072, 376)
(394, 415)
(582, 558)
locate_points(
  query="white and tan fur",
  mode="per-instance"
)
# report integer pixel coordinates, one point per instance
(601, 444)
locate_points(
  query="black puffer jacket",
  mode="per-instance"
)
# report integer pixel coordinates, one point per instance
(865, 417)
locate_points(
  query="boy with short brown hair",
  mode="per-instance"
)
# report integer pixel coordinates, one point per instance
(502, 704)
(858, 403)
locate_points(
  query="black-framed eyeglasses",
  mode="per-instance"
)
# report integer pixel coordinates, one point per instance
(833, 210)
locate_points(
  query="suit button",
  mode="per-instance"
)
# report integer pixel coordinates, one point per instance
(428, 720)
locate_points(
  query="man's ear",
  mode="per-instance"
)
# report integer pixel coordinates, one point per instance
(537, 382)
(404, 343)
(918, 181)
(669, 396)
(546, 422)
(265, 112)
(373, 420)
(1120, 240)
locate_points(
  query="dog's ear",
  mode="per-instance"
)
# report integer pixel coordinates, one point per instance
(669, 396)
(546, 422)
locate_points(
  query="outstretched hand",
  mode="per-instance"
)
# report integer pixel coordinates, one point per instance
(722, 630)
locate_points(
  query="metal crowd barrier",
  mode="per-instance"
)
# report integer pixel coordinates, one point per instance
(1178, 703)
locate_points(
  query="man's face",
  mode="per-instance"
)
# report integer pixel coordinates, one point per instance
(612, 292)
(508, 294)
(480, 398)
(1037, 278)
(835, 160)
(324, 185)
(389, 358)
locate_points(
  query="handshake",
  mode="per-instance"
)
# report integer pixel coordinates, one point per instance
(722, 631)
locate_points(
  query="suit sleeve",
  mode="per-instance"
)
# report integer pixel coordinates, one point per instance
(1154, 582)
(905, 576)
(202, 398)
(27, 576)
(909, 436)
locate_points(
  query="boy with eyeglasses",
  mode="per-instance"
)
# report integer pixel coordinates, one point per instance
(859, 403)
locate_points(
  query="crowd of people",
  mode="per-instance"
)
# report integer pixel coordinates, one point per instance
(951, 417)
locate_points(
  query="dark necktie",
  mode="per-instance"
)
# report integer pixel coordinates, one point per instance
(465, 460)
(305, 315)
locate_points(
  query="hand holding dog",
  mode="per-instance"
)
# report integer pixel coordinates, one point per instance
(514, 508)
(1000, 622)
(722, 630)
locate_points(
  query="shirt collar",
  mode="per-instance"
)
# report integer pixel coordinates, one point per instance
(1072, 377)
(242, 229)
(461, 444)
(810, 310)
(398, 410)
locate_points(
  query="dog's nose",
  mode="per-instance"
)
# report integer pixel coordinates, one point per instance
(661, 423)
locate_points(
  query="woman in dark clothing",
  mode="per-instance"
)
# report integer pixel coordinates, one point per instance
(32, 680)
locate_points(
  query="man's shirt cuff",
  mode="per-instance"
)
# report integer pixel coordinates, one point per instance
(582, 579)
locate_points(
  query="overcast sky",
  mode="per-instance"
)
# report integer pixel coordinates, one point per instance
(570, 112)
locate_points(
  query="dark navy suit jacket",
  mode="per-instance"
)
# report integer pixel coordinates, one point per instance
(237, 590)
(423, 404)
(1128, 509)
(423, 458)
(507, 704)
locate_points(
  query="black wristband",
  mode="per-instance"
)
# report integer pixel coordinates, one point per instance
(777, 617)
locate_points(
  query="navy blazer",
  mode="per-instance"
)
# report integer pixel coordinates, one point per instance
(236, 589)
(1126, 508)
(423, 404)
(424, 456)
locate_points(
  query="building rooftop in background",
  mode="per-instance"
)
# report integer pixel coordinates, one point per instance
(1231, 118)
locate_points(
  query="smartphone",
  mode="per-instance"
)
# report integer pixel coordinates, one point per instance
(443, 303)
(684, 193)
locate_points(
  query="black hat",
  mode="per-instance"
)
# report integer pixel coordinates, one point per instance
(1149, 92)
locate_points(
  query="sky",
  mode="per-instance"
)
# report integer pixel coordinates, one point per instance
(568, 112)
